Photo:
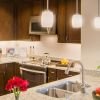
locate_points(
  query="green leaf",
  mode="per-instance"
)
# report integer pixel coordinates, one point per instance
(98, 67)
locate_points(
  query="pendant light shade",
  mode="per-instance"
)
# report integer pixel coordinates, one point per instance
(47, 19)
(97, 22)
(77, 20)
(97, 19)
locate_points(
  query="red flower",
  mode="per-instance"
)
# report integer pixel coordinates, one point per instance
(17, 84)
(23, 86)
(98, 91)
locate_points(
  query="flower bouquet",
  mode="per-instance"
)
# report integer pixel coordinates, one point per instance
(96, 94)
(16, 85)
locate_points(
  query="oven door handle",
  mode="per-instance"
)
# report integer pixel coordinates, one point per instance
(33, 71)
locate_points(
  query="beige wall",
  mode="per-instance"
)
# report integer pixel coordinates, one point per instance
(90, 35)
(48, 44)
(67, 50)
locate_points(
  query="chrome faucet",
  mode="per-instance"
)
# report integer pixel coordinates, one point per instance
(67, 71)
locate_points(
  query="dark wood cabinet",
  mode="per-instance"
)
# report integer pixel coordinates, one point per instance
(61, 74)
(57, 74)
(2, 79)
(51, 75)
(6, 21)
(17, 69)
(7, 71)
(15, 16)
(65, 31)
(2, 83)
(35, 75)
(23, 13)
(34, 79)
(14, 19)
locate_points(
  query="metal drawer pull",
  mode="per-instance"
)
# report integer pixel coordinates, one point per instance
(52, 72)
(34, 71)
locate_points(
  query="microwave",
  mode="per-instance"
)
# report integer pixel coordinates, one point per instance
(35, 27)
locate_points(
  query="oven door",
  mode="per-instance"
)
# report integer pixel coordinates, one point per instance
(34, 77)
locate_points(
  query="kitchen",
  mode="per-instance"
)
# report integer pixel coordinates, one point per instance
(14, 23)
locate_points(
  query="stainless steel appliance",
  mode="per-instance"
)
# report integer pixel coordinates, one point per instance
(35, 75)
(35, 27)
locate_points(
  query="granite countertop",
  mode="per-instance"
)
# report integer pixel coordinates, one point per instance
(27, 61)
(31, 94)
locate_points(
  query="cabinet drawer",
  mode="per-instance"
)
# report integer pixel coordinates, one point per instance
(52, 75)
(73, 73)
(51, 72)
(61, 74)
(51, 79)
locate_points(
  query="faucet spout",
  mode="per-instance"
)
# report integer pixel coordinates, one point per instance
(82, 71)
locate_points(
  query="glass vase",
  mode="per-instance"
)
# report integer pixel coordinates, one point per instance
(17, 97)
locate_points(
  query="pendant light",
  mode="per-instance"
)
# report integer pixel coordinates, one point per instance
(97, 19)
(47, 18)
(77, 18)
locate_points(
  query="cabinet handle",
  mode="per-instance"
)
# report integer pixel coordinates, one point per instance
(52, 72)
(70, 75)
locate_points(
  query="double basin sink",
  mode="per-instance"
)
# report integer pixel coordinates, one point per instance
(62, 90)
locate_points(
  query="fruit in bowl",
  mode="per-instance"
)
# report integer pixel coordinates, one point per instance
(64, 61)
(96, 94)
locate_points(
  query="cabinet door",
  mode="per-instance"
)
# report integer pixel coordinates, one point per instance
(6, 21)
(2, 79)
(74, 35)
(17, 69)
(61, 74)
(61, 19)
(34, 79)
(9, 71)
(66, 33)
(33, 75)
(51, 75)
(23, 15)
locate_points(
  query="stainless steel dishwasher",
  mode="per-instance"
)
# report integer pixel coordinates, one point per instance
(36, 75)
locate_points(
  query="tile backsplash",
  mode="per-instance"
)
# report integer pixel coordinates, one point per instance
(47, 44)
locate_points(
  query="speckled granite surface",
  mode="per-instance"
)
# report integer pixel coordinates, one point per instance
(31, 94)
(27, 62)
(91, 77)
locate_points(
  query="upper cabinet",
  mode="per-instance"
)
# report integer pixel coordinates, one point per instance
(6, 21)
(15, 16)
(23, 13)
(66, 9)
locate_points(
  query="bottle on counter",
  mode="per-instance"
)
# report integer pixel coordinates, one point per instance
(31, 52)
(46, 59)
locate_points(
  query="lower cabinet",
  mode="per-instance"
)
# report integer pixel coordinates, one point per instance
(2, 83)
(57, 74)
(7, 71)
(34, 79)
(51, 75)
(35, 75)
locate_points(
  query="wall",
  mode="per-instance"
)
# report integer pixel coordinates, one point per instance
(49, 44)
(90, 35)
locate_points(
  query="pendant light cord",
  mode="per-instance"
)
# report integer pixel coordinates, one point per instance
(98, 7)
(47, 4)
(76, 6)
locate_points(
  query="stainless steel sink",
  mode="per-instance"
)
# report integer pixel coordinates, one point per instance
(62, 90)
(71, 86)
(55, 92)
